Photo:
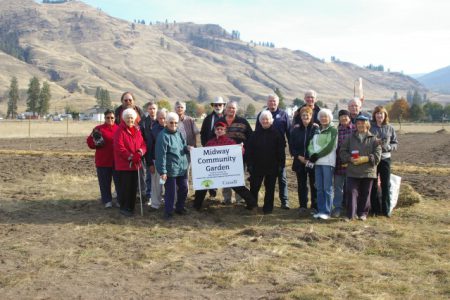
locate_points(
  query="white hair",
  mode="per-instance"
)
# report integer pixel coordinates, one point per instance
(265, 114)
(327, 112)
(311, 93)
(232, 103)
(129, 112)
(274, 96)
(355, 100)
(172, 117)
(161, 111)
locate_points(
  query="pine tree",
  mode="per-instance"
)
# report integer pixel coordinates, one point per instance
(44, 99)
(98, 95)
(250, 111)
(202, 94)
(34, 90)
(416, 112)
(13, 99)
(281, 104)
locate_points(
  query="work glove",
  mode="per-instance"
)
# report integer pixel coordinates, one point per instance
(361, 160)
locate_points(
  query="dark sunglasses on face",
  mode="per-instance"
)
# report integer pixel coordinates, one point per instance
(109, 118)
(173, 123)
(218, 105)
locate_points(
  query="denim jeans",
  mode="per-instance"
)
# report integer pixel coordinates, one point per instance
(339, 183)
(282, 187)
(148, 183)
(324, 185)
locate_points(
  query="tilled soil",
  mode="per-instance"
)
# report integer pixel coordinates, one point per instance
(44, 228)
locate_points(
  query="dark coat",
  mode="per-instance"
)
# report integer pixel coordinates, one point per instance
(265, 151)
(146, 126)
(207, 130)
(300, 138)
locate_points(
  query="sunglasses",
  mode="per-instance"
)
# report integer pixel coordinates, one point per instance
(127, 100)
(217, 105)
(110, 118)
(175, 123)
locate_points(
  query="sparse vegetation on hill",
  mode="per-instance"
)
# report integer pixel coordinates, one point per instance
(78, 48)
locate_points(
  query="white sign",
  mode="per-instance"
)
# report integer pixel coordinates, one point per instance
(217, 167)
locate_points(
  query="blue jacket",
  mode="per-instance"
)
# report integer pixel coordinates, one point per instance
(170, 151)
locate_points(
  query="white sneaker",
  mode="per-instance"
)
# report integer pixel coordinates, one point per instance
(324, 216)
(316, 216)
(363, 218)
(108, 205)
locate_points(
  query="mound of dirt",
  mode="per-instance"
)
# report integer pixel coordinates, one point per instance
(443, 130)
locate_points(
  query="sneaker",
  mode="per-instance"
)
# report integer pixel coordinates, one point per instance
(108, 204)
(363, 218)
(116, 204)
(284, 206)
(347, 219)
(316, 215)
(324, 216)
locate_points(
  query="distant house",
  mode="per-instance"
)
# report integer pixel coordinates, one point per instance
(95, 114)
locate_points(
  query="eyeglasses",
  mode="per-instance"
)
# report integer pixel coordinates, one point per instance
(305, 115)
(217, 104)
(110, 118)
(173, 123)
(220, 128)
(127, 100)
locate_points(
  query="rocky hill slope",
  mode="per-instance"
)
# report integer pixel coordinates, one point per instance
(78, 48)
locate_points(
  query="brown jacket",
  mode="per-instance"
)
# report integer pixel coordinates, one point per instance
(368, 147)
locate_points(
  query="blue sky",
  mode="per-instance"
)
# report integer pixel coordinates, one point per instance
(412, 36)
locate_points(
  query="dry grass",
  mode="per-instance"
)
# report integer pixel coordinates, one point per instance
(63, 243)
(417, 169)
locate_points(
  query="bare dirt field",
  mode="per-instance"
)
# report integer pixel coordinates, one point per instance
(56, 240)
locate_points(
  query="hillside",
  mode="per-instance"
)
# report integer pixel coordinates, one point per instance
(437, 81)
(79, 48)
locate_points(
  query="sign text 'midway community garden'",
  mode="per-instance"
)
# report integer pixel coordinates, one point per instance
(217, 167)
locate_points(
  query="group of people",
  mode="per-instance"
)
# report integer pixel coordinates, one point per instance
(341, 163)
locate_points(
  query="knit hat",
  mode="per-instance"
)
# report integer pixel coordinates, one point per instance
(344, 112)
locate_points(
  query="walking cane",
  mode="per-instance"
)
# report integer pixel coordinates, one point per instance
(140, 194)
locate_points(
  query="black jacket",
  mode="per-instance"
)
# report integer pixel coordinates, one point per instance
(265, 151)
(146, 126)
(298, 145)
(207, 130)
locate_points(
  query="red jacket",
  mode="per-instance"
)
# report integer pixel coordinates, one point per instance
(104, 156)
(127, 143)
